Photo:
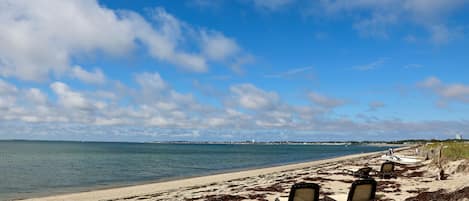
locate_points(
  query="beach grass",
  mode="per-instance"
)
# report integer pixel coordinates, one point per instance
(452, 150)
(456, 150)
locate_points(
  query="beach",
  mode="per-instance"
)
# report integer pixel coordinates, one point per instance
(36, 169)
(275, 182)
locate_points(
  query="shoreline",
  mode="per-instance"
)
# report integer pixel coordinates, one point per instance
(177, 183)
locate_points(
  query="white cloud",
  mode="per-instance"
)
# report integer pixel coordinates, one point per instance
(430, 82)
(441, 34)
(36, 96)
(7, 88)
(240, 61)
(70, 99)
(447, 92)
(27, 105)
(425, 10)
(170, 114)
(172, 34)
(250, 97)
(96, 77)
(151, 81)
(110, 121)
(375, 26)
(456, 91)
(218, 47)
(324, 101)
(8, 93)
(376, 18)
(165, 39)
(38, 39)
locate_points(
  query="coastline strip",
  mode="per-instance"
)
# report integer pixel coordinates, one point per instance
(145, 189)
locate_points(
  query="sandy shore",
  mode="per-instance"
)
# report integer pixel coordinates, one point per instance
(270, 183)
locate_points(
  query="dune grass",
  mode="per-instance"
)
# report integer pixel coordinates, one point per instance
(453, 150)
(456, 150)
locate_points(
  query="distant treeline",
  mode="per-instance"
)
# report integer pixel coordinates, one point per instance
(410, 141)
(419, 141)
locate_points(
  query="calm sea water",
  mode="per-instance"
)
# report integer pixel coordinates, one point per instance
(30, 168)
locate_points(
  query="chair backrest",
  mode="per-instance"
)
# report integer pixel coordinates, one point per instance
(362, 190)
(364, 172)
(387, 167)
(304, 192)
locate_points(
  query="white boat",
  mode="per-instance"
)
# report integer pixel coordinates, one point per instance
(407, 160)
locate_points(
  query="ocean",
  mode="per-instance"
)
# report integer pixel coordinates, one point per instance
(39, 168)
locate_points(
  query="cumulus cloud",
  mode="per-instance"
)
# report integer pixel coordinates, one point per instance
(446, 92)
(164, 39)
(430, 82)
(324, 101)
(165, 107)
(95, 77)
(7, 88)
(375, 26)
(40, 38)
(26, 105)
(168, 114)
(250, 97)
(218, 47)
(8, 93)
(36, 96)
(70, 99)
(151, 81)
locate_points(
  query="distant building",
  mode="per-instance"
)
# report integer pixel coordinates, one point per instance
(458, 137)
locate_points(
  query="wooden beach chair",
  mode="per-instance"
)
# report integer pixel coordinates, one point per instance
(361, 190)
(303, 192)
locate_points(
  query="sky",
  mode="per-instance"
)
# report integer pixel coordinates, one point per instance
(262, 70)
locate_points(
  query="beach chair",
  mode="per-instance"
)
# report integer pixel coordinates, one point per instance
(360, 173)
(303, 192)
(386, 171)
(361, 190)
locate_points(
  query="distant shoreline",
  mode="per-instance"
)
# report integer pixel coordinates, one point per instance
(399, 143)
(344, 143)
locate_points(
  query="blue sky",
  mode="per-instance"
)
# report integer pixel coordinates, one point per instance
(233, 70)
